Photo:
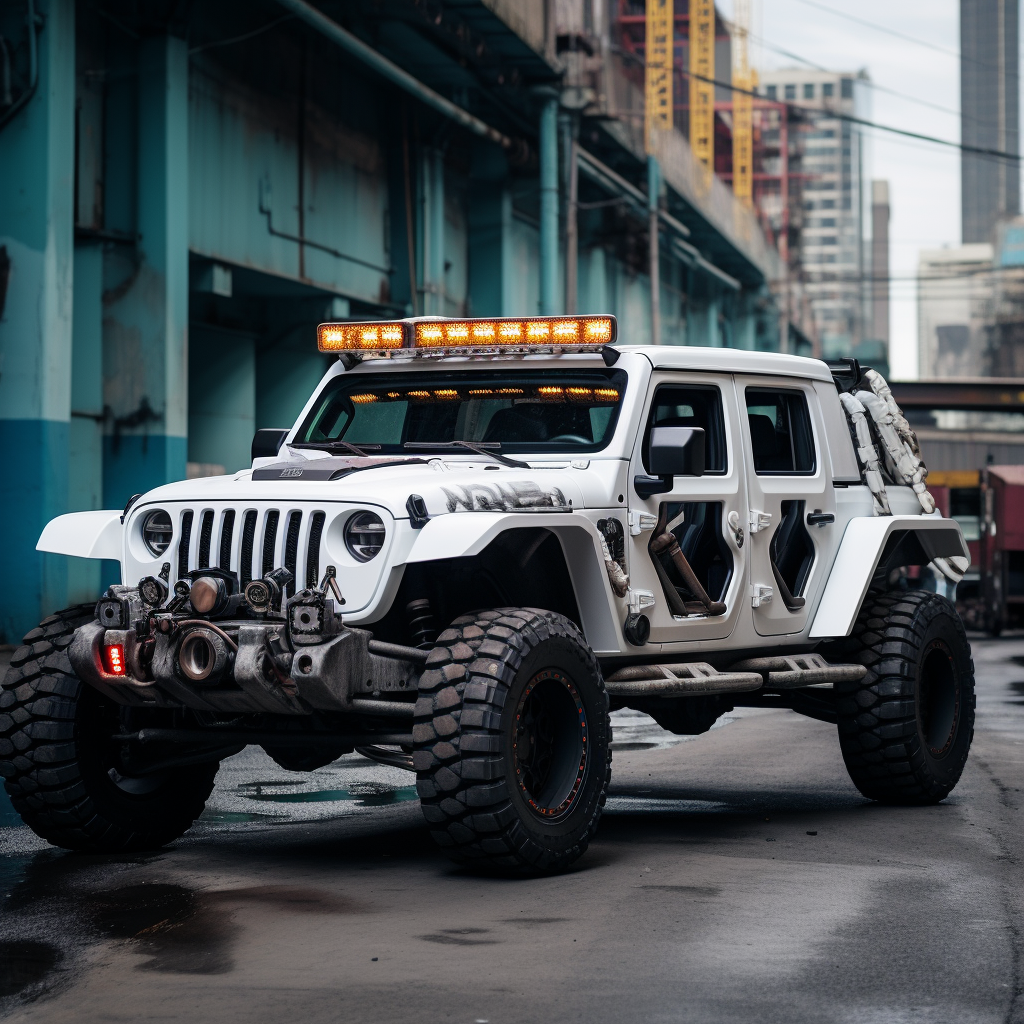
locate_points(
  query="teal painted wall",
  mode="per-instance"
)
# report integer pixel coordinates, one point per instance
(36, 244)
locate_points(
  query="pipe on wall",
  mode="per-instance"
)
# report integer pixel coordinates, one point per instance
(653, 194)
(549, 304)
(372, 59)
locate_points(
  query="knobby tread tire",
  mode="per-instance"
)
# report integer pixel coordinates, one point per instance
(40, 754)
(462, 772)
(879, 731)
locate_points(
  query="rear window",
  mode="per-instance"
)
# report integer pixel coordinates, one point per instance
(780, 431)
(540, 411)
(678, 405)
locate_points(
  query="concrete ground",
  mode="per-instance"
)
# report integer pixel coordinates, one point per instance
(736, 877)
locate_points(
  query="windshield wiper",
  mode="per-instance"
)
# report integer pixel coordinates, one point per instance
(328, 446)
(481, 449)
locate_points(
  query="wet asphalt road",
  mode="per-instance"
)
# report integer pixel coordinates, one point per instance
(737, 877)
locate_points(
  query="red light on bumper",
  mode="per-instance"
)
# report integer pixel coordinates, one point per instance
(113, 658)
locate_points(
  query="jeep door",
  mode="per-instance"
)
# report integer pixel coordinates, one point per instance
(791, 519)
(696, 509)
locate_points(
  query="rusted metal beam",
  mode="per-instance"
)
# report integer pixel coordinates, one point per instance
(985, 393)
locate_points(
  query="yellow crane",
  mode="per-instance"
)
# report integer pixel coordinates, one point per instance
(658, 57)
(742, 105)
(702, 91)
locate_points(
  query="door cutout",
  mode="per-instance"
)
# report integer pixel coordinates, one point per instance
(697, 527)
(791, 554)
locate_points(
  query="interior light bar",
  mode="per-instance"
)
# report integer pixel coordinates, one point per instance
(564, 333)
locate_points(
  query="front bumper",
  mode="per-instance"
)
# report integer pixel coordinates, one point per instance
(341, 674)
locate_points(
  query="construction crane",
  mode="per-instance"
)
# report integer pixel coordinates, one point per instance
(702, 89)
(742, 105)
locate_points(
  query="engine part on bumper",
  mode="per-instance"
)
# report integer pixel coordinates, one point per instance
(203, 655)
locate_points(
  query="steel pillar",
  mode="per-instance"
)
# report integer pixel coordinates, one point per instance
(653, 195)
(85, 469)
(146, 324)
(36, 280)
(549, 301)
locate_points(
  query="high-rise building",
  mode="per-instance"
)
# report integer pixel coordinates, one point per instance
(880, 261)
(954, 310)
(835, 195)
(989, 115)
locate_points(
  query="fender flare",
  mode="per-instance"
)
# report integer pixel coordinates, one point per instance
(859, 553)
(464, 534)
(84, 535)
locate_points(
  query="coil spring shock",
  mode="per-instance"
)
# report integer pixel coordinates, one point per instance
(421, 623)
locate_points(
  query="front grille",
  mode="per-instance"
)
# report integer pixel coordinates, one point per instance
(316, 528)
(252, 542)
(227, 530)
(205, 533)
(245, 558)
(291, 547)
(184, 543)
(270, 540)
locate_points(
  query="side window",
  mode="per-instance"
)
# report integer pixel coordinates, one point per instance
(693, 405)
(780, 431)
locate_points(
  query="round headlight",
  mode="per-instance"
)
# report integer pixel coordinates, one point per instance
(364, 535)
(157, 531)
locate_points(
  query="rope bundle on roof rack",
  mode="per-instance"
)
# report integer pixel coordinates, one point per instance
(875, 412)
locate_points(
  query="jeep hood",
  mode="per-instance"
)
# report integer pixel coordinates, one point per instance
(473, 485)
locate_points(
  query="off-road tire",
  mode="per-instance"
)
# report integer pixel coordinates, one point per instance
(905, 729)
(52, 756)
(478, 680)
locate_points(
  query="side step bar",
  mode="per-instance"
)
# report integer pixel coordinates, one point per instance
(677, 680)
(777, 672)
(791, 671)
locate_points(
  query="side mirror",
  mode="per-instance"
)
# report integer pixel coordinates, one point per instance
(673, 451)
(266, 443)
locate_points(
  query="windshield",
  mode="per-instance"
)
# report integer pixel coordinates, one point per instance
(531, 411)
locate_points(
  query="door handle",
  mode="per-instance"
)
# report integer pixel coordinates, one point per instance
(819, 518)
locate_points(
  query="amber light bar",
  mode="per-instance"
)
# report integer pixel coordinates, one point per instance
(561, 332)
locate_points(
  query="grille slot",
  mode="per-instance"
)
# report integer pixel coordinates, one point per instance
(291, 547)
(245, 555)
(205, 533)
(184, 543)
(270, 540)
(316, 528)
(226, 533)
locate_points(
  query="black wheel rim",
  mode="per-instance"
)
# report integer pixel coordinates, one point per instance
(550, 748)
(938, 702)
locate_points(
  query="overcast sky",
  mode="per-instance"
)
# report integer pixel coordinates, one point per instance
(924, 179)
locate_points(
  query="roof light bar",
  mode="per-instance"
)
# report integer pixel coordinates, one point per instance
(565, 333)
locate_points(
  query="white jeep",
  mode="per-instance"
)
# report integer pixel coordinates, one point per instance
(478, 539)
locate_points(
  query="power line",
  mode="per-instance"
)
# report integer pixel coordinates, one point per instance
(836, 115)
(887, 31)
(870, 84)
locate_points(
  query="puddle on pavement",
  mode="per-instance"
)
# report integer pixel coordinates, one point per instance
(187, 931)
(25, 963)
(460, 937)
(662, 805)
(360, 794)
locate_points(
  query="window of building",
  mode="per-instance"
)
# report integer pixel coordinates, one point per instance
(828, 240)
(828, 204)
(827, 222)
(772, 92)
(827, 89)
(846, 88)
(691, 406)
(790, 92)
(808, 90)
(780, 431)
